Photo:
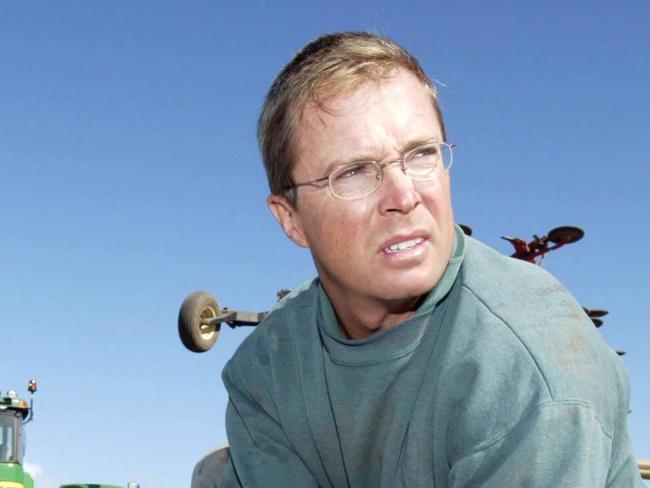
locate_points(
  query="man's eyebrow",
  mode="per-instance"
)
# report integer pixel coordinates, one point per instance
(349, 160)
(413, 143)
(361, 156)
(368, 156)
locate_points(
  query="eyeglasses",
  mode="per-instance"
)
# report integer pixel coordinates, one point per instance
(362, 178)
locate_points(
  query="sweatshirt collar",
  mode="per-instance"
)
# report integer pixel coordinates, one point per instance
(397, 341)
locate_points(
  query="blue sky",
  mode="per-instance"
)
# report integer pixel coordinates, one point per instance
(130, 177)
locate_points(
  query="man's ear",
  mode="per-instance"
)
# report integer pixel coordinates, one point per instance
(288, 218)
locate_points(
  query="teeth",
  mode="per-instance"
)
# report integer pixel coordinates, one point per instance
(402, 246)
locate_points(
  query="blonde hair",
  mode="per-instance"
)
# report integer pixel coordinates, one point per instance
(330, 65)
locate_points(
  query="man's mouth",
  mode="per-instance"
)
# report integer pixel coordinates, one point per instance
(403, 246)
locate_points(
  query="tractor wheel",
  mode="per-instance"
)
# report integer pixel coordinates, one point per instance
(196, 309)
(565, 235)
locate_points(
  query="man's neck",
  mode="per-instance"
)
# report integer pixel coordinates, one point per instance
(360, 320)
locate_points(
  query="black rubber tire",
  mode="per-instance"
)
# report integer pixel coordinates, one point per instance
(565, 235)
(198, 306)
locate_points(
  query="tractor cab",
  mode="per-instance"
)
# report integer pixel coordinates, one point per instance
(14, 412)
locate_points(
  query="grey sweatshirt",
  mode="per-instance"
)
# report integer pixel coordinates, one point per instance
(498, 380)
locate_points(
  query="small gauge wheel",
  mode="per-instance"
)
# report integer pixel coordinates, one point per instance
(565, 235)
(198, 308)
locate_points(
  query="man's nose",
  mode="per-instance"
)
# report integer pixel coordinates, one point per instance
(398, 193)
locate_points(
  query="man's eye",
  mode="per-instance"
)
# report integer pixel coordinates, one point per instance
(354, 171)
(426, 152)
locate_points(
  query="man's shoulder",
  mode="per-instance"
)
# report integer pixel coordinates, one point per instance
(526, 307)
(491, 274)
(287, 321)
(521, 295)
(518, 340)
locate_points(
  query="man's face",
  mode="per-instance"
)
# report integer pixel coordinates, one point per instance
(349, 239)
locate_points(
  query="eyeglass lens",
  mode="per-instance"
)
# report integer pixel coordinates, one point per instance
(363, 178)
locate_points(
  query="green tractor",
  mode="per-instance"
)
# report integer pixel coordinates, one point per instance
(14, 414)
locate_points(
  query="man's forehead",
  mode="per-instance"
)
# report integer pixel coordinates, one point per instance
(349, 121)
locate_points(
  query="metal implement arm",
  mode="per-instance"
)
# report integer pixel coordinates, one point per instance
(236, 318)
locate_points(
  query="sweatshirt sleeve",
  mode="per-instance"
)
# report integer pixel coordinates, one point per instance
(261, 454)
(559, 444)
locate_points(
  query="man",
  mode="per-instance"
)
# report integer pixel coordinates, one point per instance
(418, 357)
